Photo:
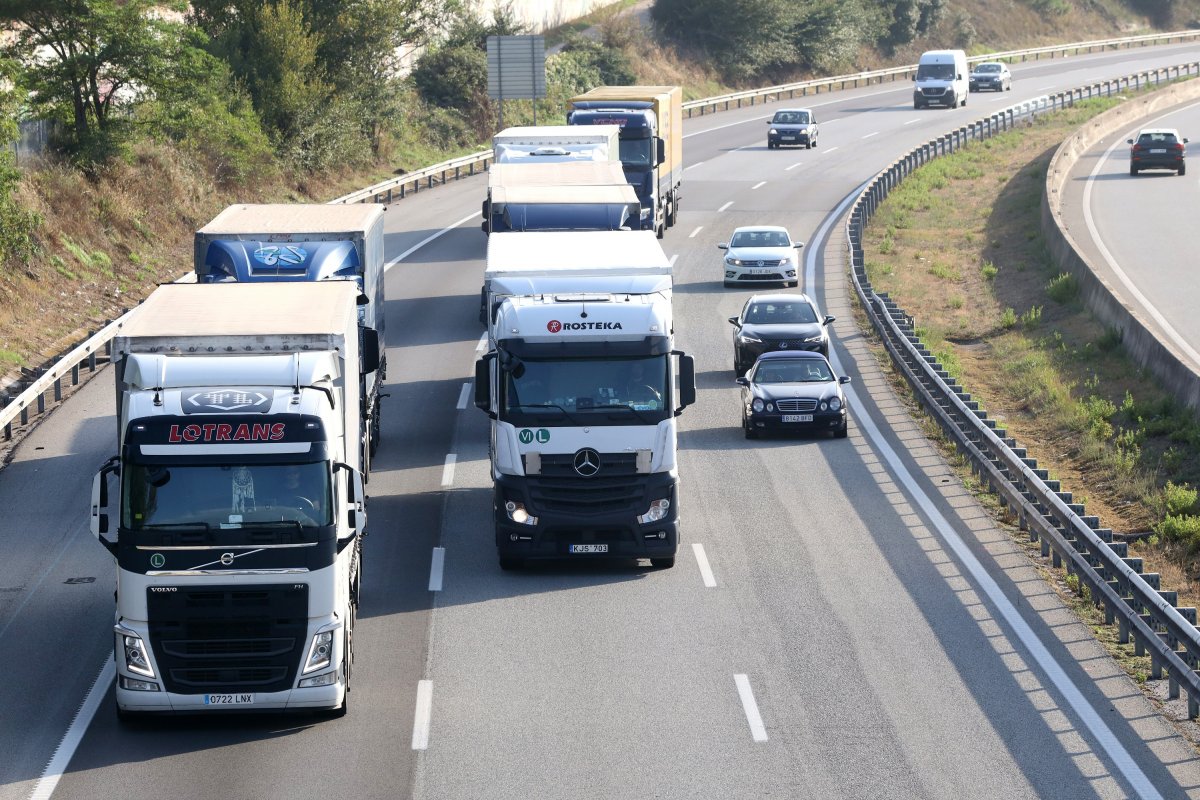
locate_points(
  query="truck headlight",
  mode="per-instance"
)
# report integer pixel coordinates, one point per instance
(320, 652)
(517, 513)
(657, 511)
(136, 658)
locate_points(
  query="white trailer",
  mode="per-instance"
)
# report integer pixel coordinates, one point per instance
(238, 522)
(557, 143)
(558, 262)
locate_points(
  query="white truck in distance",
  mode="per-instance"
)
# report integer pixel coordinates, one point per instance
(285, 242)
(571, 262)
(556, 143)
(578, 195)
(238, 522)
(583, 388)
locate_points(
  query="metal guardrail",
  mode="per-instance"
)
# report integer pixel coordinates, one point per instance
(438, 174)
(1131, 599)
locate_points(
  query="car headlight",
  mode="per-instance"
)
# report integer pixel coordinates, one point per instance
(320, 652)
(517, 513)
(817, 338)
(733, 262)
(835, 404)
(758, 404)
(824, 405)
(657, 511)
(749, 338)
(785, 262)
(773, 131)
(136, 658)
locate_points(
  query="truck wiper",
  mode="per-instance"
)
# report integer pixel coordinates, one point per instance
(555, 406)
(625, 407)
(182, 526)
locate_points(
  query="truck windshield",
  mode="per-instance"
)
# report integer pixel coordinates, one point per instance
(588, 391)
(161, 497)
(637, 152)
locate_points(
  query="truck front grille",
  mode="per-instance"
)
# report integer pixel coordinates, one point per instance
(598, 495)
(228, 638)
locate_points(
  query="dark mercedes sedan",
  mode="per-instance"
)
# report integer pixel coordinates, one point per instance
(771, 322)
(793, 392)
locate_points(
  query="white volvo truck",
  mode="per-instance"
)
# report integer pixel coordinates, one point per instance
(238, 516)
(583, 388)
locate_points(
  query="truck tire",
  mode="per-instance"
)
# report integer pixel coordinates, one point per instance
(663, 563)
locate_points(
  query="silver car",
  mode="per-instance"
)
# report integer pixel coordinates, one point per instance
(761, 254)
(792, 126)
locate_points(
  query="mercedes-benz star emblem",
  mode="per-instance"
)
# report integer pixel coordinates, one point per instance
(587, 462)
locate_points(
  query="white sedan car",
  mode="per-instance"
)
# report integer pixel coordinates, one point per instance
(761, 254)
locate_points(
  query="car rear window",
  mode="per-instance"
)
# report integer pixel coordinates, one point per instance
(1157, 138)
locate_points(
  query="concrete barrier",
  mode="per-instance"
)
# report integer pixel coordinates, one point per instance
(1145, 347)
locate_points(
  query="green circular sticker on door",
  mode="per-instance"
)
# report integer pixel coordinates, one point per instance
(526, 436)
(157, 560)
(543, 435)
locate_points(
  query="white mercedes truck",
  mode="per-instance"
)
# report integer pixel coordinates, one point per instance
(583, 389)
(236, 512)
(556, 143)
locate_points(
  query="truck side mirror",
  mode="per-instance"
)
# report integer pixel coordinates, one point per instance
(483, 384)
(355, 505)
(660, 150)
(99, 515)
(370, 350)
(687, 381)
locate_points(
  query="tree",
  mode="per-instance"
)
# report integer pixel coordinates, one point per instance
(80, 56)
(744, 37)
(17, 226)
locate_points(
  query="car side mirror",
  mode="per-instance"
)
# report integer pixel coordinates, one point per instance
(828, 319)
(797, 245)
(1129, 141)
(844, 379)
(742, 381)
(733, 320)
(1185, 140)
(724, 246)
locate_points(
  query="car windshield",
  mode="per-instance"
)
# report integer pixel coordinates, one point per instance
(164, 497)
(791, 118)
(809, 370)
(988, 68)
(774, 313)
(760, 239)
(1158, 137)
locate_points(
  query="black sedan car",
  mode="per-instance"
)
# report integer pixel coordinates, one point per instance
(777, 322)
(794, 392)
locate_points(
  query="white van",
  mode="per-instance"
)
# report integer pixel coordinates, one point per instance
(942, 79)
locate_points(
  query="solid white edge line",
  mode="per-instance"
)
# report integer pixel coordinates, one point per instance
(722, 208)
(693, 233)
(463, 396)
(706, 573)
(437, 566)
(448, 470)
(757, 730)
(83, 719)
(427, 240)
(423, 715)
(1118, 756)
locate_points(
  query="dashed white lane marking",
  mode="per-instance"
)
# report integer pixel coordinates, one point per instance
(479, 348)
(793, 166)
(83, 719)
(911, 121)
(423, 715)
(829, 149)
(427, 240)
(692, 235)
(869, 135)
(672, 260)
(463, 395)
(755, 186)
(751, 708)
(692, 166)
(722, 208)
(436, 568)
(706, 572)
(448, 471)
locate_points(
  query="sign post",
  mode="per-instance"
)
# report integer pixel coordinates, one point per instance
(516, 70)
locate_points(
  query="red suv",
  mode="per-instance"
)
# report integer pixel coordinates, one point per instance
(1157, 148)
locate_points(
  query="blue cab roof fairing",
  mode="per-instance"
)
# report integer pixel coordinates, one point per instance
(247, 261)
